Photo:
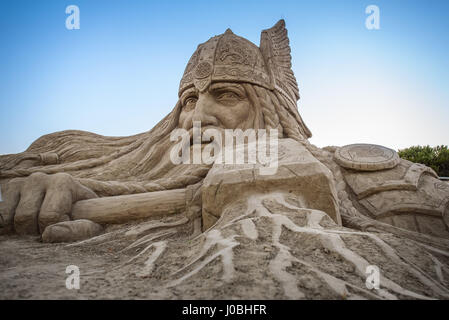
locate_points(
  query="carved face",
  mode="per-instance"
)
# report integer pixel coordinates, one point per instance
(223, 105)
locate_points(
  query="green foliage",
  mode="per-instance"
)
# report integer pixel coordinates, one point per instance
(437, 158)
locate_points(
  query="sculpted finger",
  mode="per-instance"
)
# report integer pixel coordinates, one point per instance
(32, 195)
(58, 201)
(56, 207)
(63, 191)
(10, 196)
(83, 193)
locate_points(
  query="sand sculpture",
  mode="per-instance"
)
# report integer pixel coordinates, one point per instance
(224, 230)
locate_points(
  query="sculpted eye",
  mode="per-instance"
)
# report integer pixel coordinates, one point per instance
(190, 102)
(229, 95)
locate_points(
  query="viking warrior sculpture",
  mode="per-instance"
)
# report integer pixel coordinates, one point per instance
(318, 222)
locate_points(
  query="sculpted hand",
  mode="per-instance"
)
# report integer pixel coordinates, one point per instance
(31, 204)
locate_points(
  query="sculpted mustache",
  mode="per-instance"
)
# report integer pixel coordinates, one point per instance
(203, 129)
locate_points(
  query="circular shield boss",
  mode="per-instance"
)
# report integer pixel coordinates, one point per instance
(366, 157)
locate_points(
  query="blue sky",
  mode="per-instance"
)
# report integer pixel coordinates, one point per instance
(119, 73)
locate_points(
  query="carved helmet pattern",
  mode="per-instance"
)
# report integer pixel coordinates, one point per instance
(228, 57)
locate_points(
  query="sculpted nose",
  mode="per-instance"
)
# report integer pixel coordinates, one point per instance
(204, 111)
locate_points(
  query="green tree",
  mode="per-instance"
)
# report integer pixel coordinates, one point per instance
(435, 157)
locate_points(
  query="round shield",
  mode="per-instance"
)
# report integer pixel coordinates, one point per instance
(366, 157)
